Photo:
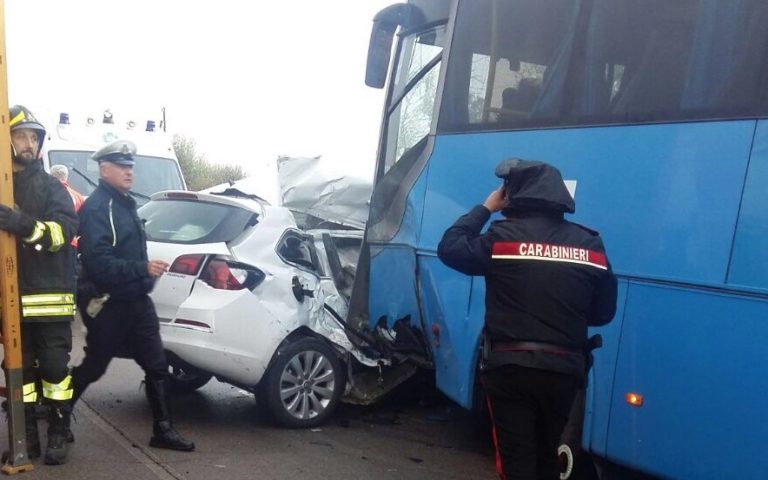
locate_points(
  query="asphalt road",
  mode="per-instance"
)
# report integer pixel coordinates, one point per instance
(413, 435)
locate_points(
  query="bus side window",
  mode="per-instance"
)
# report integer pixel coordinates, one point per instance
(654, 84)
(518, 102)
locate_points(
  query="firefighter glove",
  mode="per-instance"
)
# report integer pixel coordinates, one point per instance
(15, 221)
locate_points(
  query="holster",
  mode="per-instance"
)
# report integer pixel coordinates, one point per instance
(96, 304)
(485, 349)
(593, 343)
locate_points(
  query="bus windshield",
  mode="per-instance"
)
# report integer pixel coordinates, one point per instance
(151, 174)
(517, 64)
(414, 91)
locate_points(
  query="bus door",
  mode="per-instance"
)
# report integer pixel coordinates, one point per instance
(387, 284)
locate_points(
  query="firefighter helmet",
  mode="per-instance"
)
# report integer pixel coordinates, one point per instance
(21, 117)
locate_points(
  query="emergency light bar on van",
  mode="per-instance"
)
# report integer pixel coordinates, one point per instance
(108, 118)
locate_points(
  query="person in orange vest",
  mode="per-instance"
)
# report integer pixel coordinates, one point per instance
(62, 174)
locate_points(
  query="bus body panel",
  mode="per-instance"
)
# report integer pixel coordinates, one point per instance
(703, 382)
(393, 265)
(655, 113)
(393, 279)
(654, 192)
(454, 305)
(749, 265)
(710, 169)
(600, 381)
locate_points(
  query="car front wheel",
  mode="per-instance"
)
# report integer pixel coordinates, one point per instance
(303, 386)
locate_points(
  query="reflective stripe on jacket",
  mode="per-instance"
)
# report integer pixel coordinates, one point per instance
(46, 268)
(546, 280)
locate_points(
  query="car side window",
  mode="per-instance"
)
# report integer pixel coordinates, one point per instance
(296, 249)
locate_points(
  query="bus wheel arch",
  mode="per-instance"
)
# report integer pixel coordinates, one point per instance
(574, 462)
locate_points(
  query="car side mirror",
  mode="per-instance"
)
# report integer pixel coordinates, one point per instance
(299, 291)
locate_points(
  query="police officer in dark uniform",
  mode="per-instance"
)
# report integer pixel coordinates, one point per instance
(113, 292)
(546, 280)
(44, 222)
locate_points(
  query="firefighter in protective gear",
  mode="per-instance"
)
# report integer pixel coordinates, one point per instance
(547, 279)
(113, 290)
(44, 222)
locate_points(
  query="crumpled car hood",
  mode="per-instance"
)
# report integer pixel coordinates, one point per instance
(307, 188)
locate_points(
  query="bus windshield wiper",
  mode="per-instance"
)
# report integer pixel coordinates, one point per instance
(85, 177)
(95, 185)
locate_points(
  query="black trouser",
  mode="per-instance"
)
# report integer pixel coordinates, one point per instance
(529, 408)
(132, 323)
(49, 343)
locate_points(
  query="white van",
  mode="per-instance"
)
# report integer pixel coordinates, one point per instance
(72, 140)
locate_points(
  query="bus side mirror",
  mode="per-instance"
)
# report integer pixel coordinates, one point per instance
(385, 24)
(379, 54)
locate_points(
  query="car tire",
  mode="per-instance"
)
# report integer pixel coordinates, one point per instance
(303, 385)
(186, 378)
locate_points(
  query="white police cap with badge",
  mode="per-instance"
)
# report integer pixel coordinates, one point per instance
(120, 152)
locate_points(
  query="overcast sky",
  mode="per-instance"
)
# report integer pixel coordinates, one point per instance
(247, 80)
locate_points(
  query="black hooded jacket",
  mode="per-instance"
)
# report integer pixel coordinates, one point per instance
(547, 279)
(113, 246)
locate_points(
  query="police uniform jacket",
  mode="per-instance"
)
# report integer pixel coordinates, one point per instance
(547, 279)
(113, 246)
(46, 274)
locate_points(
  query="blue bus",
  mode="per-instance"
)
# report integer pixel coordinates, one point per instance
(656, 112)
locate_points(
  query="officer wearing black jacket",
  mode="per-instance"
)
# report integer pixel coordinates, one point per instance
(44, 222)
(547, 279)
(113, 292)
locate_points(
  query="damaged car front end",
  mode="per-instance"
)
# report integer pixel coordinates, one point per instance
(261, 302)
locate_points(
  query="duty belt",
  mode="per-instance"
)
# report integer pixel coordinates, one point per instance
(535, 347)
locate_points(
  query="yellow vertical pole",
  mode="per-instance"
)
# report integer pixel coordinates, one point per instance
(17, 460)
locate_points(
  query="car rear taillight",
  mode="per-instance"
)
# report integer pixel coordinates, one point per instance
(187, 264)
(226, 274)
(218, 275)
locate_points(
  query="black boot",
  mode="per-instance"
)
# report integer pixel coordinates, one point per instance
(163, 433)
(68, 435)
(58, 422)
(68, 421)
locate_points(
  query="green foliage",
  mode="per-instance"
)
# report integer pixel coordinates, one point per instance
(198, 172)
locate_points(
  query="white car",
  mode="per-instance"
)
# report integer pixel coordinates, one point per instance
(250, 299)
